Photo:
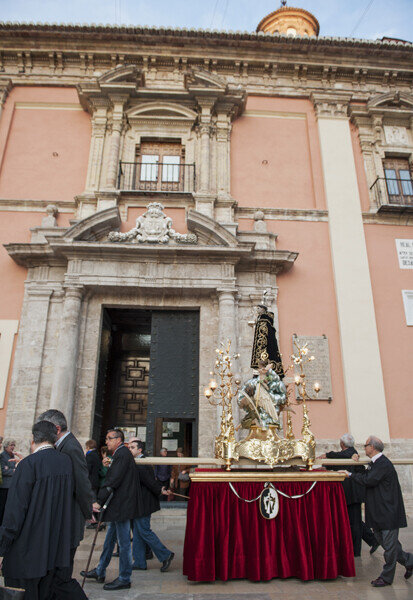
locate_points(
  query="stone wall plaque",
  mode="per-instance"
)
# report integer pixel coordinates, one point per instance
(405, 253)
(318, 369)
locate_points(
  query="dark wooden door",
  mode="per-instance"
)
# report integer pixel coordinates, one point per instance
(173, 391)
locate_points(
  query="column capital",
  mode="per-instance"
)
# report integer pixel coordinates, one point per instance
(74, 291)
(331, 105)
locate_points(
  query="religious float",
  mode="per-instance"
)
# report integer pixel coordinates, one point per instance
(266, 513)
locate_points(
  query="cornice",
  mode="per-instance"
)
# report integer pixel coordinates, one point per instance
(129, 32)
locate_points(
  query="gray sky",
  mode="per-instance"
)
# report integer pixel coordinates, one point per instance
(346, 18)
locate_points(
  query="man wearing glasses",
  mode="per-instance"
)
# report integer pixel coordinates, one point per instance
(385, 512)
(121, 479)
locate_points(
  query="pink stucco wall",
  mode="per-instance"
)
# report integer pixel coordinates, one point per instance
(276, 161)
(307, 306)
(395, 337)
(29, 138)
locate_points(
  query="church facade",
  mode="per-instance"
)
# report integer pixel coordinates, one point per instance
(154, 182)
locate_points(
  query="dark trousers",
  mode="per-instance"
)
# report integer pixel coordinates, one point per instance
(36, 589)
(354, 515)
(359, 529)
(393, 553)
(368, 535)
(3, 500)
(65, 587)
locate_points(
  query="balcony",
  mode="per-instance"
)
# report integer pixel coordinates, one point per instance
(156, 177)
(393, 195)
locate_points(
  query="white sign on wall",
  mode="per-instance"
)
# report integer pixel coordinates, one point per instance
(408, 305)
(405, 253)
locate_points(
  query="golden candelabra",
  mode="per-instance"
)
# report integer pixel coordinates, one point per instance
(221, 394)
(261, 444)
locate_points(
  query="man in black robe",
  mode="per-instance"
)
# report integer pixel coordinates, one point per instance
(65, 586)
(385, 512)
(355, 495)
(35, 535)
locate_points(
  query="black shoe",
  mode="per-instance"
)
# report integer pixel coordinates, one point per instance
(116, 554)
(92, 575)
(374, 547)
(379, 582)
(117, 584)
(167, 563)
(136, 568)
(409, 572)
(149, 555)
(102, 527)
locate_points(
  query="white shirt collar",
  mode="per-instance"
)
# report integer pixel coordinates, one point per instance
(376, 456)
(42, 447)
(60, 440)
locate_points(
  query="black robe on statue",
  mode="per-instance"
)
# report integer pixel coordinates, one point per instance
(35, 535)
(265, 346)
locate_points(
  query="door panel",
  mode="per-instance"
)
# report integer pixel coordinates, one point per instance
(174, 371)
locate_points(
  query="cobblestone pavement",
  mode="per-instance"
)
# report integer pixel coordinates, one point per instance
(170, 526)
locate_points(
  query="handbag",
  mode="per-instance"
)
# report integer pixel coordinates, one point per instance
(8, 593)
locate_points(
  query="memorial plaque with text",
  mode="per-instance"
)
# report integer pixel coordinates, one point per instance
(317, 370)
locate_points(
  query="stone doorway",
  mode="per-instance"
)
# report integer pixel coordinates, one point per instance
(148, 373)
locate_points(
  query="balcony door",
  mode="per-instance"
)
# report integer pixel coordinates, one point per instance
(398, 180)
(159, 166)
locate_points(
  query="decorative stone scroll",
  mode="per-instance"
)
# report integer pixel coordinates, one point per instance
(317, 370)
(153, 227)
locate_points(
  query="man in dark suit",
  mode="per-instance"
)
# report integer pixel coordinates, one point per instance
(384, 510)
(142, 532)
(35, 536)
(65, 586)
(355, 495)
(121, 479)
(93, 463)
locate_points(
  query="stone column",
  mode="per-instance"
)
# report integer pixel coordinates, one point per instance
(28, 362)
(226, 328)
(363, 377)
(117, 127)
(205, 128)
(205, 132)
(65, 369)
(99, 122)
(223, 143)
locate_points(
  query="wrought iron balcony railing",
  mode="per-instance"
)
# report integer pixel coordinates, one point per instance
(156, 177)
(393, 194)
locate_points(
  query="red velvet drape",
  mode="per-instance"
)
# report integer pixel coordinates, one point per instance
(227, 538)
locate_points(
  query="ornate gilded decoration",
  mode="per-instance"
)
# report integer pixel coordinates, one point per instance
(153, 227)
(262, 444)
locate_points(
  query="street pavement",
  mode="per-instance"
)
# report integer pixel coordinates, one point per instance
(169, 524)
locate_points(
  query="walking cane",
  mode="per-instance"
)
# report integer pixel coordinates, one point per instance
(102, 510)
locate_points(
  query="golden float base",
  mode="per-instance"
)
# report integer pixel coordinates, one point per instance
(264, 445)
(244, 475)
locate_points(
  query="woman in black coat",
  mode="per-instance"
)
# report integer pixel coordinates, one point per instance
(151, 489)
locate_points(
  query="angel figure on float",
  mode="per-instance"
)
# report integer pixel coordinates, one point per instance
(263, 397)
